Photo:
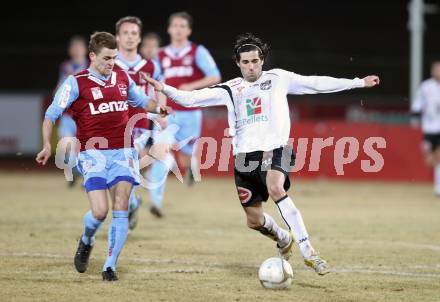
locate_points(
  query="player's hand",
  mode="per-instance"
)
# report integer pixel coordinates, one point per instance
(44, 155)
(156, 84)
(371, 81)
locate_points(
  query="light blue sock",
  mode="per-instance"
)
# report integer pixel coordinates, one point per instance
(133, 201)
(158, 175)
(91, 226)
(117, 234)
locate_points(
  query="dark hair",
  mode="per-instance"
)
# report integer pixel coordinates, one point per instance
(152, 36)
(249, 42)
(100, 39)
(183, 15)
(77, 38)
(129, 19)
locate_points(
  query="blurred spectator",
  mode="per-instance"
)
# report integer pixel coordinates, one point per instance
(150, 46)
(78, 61)
(77, 51)
(426, 107)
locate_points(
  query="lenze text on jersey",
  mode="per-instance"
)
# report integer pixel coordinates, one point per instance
(108, 107)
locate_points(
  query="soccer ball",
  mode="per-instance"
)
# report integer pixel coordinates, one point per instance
(275, 273)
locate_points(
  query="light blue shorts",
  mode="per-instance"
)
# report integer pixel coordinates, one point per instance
(184, 128)
(102, 169)
(67, 127)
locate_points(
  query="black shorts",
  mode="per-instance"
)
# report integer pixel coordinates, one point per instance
(251, 170)
(432, 141)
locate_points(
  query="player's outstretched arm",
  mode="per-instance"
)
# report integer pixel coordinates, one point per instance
(299, 84)
(138, 98)
(45, 153)
(213, 96)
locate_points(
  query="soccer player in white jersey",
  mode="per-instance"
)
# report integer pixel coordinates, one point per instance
(427, 106)
(258, 117)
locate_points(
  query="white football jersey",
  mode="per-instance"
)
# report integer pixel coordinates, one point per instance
(427, 103)
(258, 112)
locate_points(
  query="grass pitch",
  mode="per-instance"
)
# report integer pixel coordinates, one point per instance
(381, 240)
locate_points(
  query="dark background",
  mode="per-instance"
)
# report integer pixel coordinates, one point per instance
(337, 38)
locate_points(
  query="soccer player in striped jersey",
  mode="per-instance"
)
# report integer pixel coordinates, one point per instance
(259, 122)
(99, 97)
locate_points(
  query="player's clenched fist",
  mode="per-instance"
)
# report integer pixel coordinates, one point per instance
(371, 81)
(43, 156)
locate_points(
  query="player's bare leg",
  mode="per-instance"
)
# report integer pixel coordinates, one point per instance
(134, 200)
(69, 147)
(258, 220)
(92, 221)
(163, 163)
(118, 230)
(293, 218)
(185, 161)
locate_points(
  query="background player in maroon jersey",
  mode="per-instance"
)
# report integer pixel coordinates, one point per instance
(99, 97)
(188, 66)
(128, 36)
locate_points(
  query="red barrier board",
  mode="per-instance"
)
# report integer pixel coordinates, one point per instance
(332, 149)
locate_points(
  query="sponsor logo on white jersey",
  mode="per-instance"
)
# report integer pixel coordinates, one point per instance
(178, 71)
(108, 107)
(254, 113)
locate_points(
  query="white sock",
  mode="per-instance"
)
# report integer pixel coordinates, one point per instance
(292, 217)
(437, 179)
(273, 231)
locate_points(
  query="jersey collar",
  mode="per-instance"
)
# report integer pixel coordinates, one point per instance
(100, 79)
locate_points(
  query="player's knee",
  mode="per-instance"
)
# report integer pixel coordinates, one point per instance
(121, 202)
(100, 213)
(254, 223)
(276, 191)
